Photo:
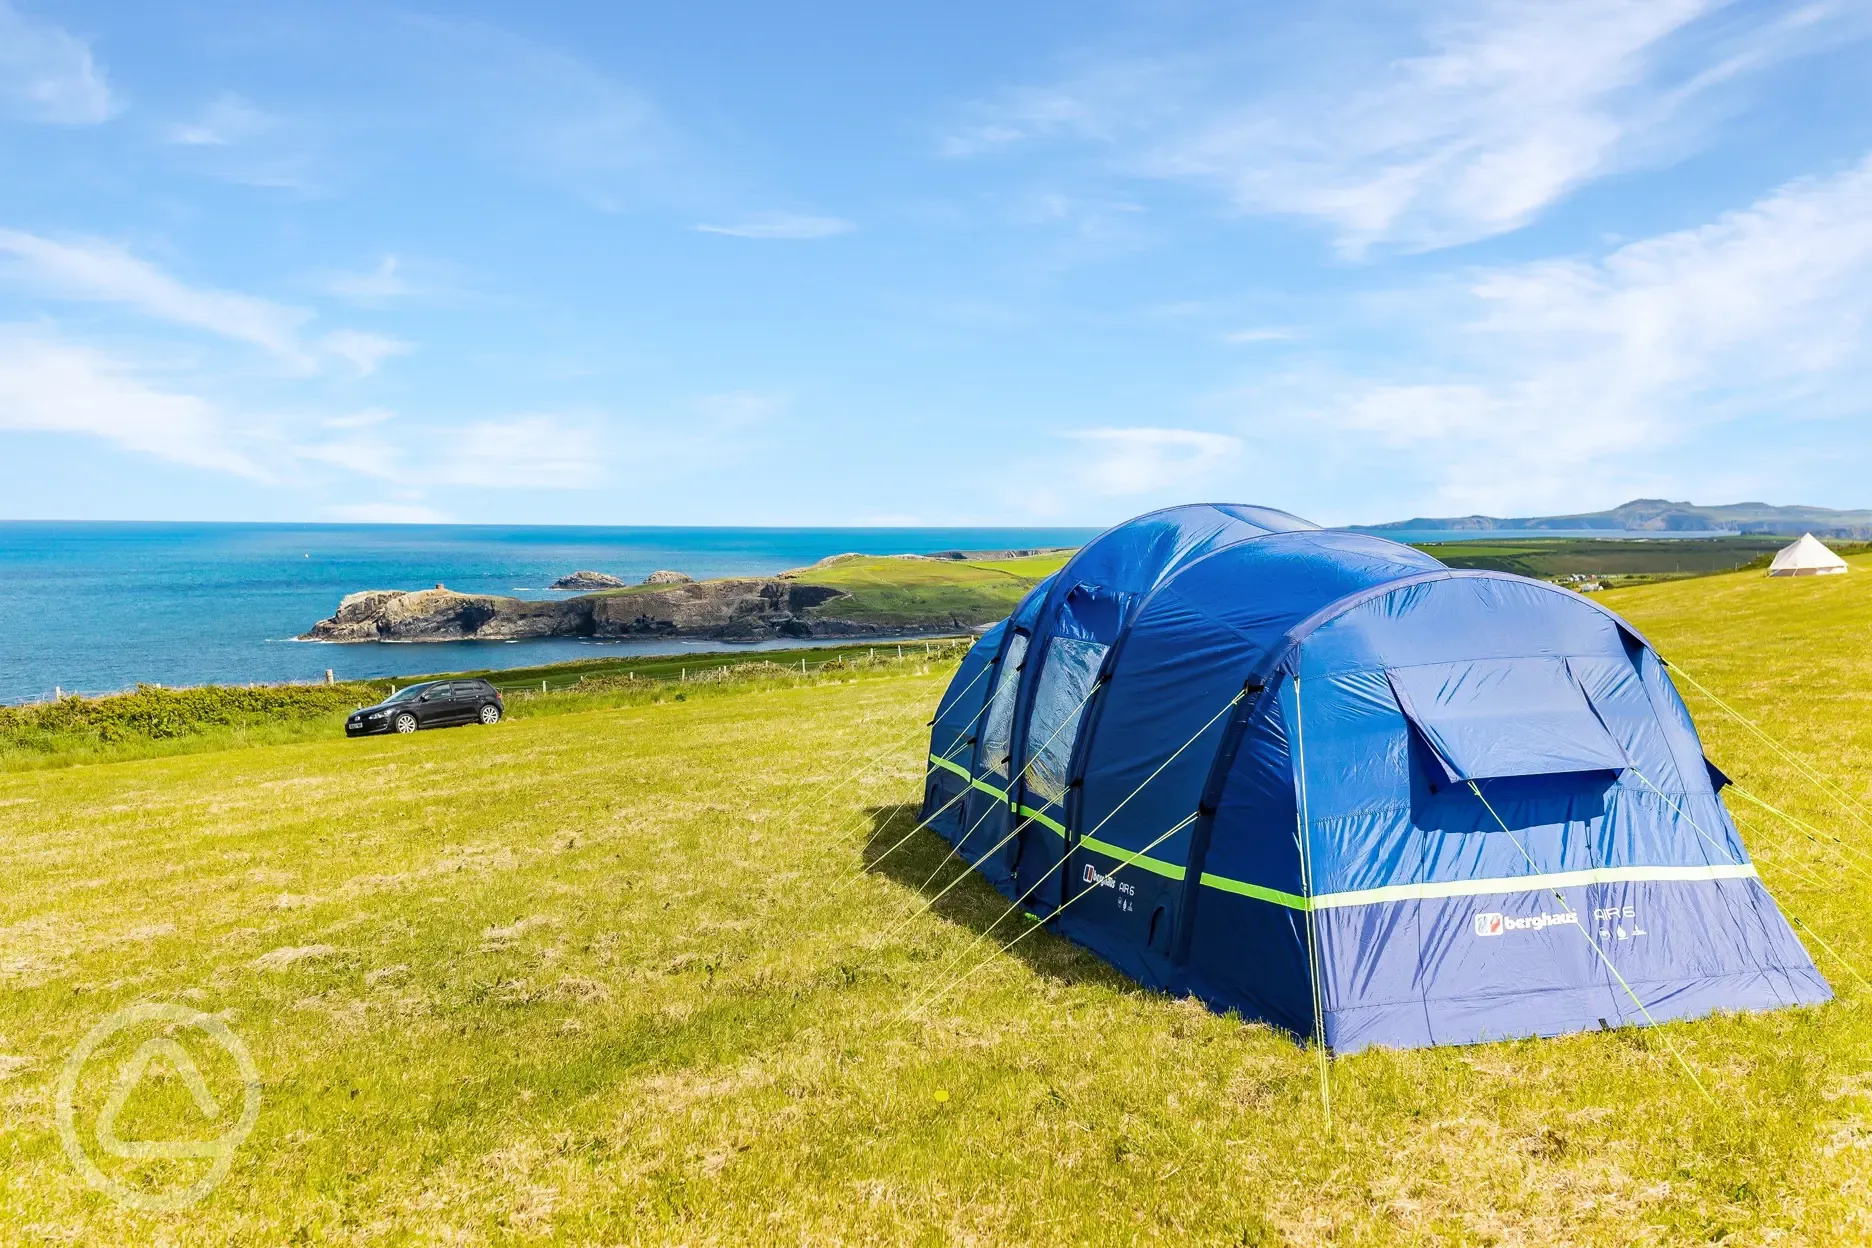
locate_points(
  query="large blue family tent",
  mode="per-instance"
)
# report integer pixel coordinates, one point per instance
(1324, 780)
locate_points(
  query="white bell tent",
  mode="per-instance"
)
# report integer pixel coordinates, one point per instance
(1807, 557)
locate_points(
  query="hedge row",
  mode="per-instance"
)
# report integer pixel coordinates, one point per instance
(151, 712)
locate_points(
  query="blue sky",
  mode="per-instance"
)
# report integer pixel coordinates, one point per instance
(930, 264)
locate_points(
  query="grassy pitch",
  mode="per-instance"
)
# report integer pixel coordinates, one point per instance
(622, 975)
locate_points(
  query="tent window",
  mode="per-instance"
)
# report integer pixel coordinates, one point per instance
(1493, 718)
(999, 730)
(1072, 665)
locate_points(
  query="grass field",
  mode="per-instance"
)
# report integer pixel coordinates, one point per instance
(1616, 560)
(152, 721)
(629, 973)
(912, 592)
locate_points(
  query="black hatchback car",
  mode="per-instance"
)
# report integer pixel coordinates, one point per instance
(432, 704)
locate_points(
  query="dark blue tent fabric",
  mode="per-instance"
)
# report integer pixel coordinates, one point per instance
(953, 733)
(1084, 614)
(981, 831)
(1317, 778)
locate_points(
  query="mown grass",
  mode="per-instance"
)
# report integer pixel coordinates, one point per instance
(633, 974)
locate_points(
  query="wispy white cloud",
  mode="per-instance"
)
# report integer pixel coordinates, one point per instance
(48, 74)
(233, 140)
(1552, 377)
(383, 284)
(396, 281)
(52, 386)
(1467, 126)
(95, 270)
(522, 452)
(1261, 333)
(1125, 463)
(49, 384)
(366, 455)
(362, 419)
(1107, 98)
(547, 111)
(360, 351)
(782, 225)
(226, 121)
(736, 411)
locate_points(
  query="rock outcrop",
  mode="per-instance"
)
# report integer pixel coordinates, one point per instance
(666, 577)
(734, 609)
(440, 615)
(587, 580)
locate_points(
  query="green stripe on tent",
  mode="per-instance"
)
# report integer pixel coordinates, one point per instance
(937, 760)
(1042, 820)
(1134, 859)
(1292, 901)
(1387, 893)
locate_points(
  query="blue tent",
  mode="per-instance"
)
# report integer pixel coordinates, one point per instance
(1324, 780)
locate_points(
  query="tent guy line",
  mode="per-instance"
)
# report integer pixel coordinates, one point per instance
(1845, 800)
(1629, 991)
(1087, 841)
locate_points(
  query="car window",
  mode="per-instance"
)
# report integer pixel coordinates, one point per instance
(438, 692)
(408, 695)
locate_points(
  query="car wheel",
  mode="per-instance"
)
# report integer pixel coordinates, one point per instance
(490, 715)
(406, 722)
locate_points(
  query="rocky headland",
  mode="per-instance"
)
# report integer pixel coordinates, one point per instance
(843, 596)
(725, 610)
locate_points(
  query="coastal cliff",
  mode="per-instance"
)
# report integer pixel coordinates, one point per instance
(845, 596)
(725, 610)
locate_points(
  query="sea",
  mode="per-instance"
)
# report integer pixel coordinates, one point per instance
(96, 607)
(92, 608)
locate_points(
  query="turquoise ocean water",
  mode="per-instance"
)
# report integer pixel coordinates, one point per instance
(97, 607)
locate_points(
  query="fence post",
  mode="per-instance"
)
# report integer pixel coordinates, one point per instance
(328, 677)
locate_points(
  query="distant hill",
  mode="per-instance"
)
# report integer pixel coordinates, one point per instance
(1663, 516)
